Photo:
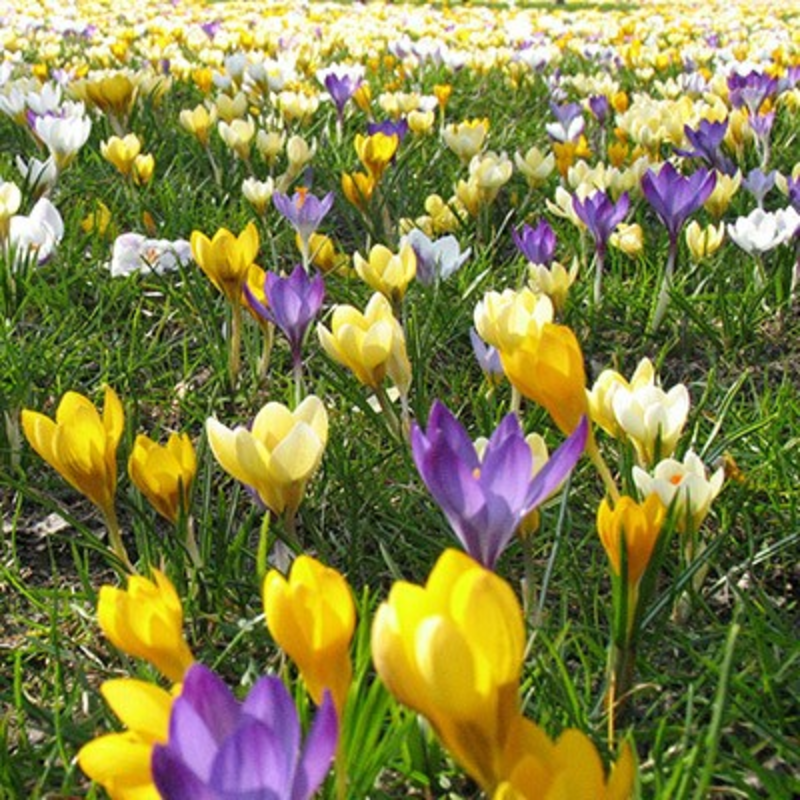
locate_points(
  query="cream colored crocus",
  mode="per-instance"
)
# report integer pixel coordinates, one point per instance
(704, 242)
(387, 272)
(145, 620)
(142, 169)
(238, 135)
(198, 121)
(258, 193)
(278, 454)
(371, 344)
(311, 616)
(628, 237)
(10, 200)
(601, 395)
(466, 139)
(299, 152)
(554, 281)
(685, 483)
(535, 166)
(270, 144)
(490, 172)
(164, 473)
(421, 122)
(651, 418)
(121, 152)
(230, 107)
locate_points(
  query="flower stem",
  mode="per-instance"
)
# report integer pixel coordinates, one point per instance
(666, 285)
(234, 362)
(593, 451)
(115, 538)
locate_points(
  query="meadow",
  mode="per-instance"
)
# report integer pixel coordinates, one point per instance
(426, 375)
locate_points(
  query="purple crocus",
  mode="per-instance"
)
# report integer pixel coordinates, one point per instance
(488, 358)
(601, 215)
(341, 87)
(485, 499)
(600, 107)
(569, 123)
(707, 143)
(389, 127)
(292, 304)
(751, 90)
(219, 749)
(537, 244)
(305, 212)
(759, 184)
(675, 197)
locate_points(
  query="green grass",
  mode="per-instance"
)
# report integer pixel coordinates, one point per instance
(714, 711)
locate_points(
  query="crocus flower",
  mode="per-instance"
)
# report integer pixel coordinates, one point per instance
(35, 237)
(541, 359)
(145, 620)
(226, 258)
(371, 344)
(707, 142)
(120, 762)
(601, 216)
(305, 212)
(569, 123)
(133, 253)
(389, 127)
(164, 474)
(634, 527)
(80, 444)
(311, 616)
(485, 499)
(220, 749)
(487, 357)
(291, 304)
(675, 197)
(452, 650)
(387, 272)
(437, 259)
(684, 483)
(376, 152)
(537, 244)
(750, 90)
(63, 136)
(278, 455)
(121, 151)
(759, 184)
(761, 231)
(341, 85)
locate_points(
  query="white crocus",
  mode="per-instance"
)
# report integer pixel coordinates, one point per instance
(436, 259)
(761, 231)
(686, 483)
(35, 237)
(651, 418)
(134, 252)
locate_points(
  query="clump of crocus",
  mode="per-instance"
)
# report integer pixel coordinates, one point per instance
(486, 497)
(311, 616)
(145, 620)
(82, 447)
(290, 303)
(121, 762)
(226, 260)
(304, 212)
(221, 749)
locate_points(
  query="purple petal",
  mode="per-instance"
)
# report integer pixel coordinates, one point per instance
(269, 702)
(252, 761)
(558, 466)
(174, 780)
(318, 751)
(506, 471)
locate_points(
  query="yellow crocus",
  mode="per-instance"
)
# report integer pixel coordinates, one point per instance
(375, 152)
(358, 188)
(311, 616)
(387, 272)
(371, 344)
(466, 138)
(142, 169)
(567, 768)
(198, 121)
(121, 152)
(164, 474)
(542, 360)
(634, 526)
(704, 242)
(80, 444)
(145, 620)
(112, 94)
(278, 455)
(226, 258)
(120, 762)
(452, 650)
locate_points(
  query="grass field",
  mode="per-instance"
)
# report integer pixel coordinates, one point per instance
(493, 117)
